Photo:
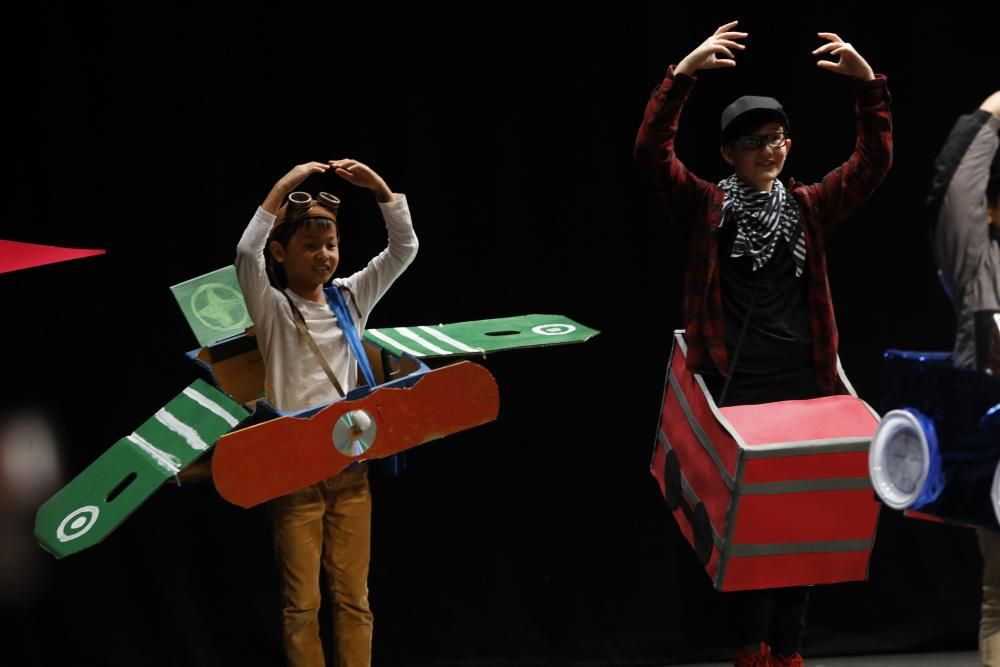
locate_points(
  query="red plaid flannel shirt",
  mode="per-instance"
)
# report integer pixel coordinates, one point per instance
(687, 199)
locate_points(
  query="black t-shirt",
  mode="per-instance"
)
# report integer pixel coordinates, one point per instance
(775, 361)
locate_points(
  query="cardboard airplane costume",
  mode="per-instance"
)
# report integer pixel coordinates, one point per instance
(263, 453)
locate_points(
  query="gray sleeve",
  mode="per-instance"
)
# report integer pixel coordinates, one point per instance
(961, 235)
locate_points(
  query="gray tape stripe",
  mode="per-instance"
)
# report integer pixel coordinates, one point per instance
(805, 447)
(699, 432)
(721, 418)
(662, 437)
(838, 546)
(731, 514)
(802, 485)
(679, 337)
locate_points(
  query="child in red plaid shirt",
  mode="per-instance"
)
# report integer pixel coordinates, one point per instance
(758, 312)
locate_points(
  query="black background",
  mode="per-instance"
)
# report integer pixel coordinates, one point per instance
(154, 132)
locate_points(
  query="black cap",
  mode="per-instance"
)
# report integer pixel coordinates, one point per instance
(748, 113)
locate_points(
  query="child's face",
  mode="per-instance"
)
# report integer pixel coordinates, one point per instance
(759, 167)
(311, 256)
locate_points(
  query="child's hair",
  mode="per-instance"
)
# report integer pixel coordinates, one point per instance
(299, 210)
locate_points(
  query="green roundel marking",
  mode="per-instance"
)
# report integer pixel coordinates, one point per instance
(554, 329)
(77, 523)
(219, 307)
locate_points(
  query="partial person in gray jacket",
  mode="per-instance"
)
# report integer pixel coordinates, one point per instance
(964, 204)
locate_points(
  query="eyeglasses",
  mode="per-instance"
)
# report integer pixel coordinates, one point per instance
(752, 142)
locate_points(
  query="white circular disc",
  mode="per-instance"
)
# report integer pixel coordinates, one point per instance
(354, 433)
(899, 459)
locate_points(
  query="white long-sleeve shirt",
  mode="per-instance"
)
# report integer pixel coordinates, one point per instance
(294, 379)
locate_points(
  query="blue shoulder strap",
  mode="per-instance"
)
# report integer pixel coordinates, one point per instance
(346, 323)
(395, 464)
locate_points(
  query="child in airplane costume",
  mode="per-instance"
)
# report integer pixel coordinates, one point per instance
(308, 336)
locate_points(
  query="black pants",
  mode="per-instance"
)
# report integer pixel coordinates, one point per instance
(773, 615)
